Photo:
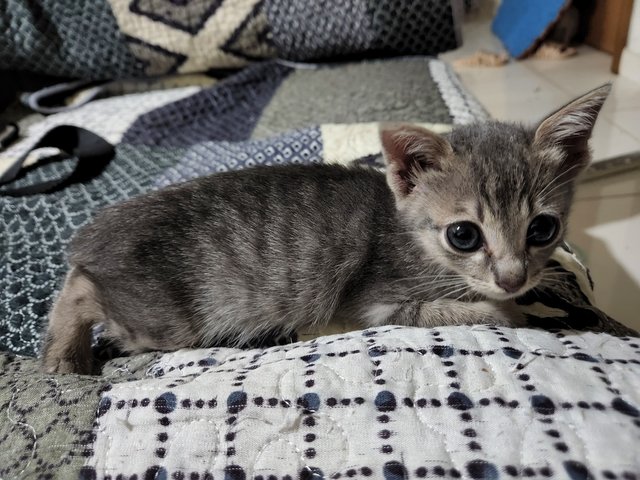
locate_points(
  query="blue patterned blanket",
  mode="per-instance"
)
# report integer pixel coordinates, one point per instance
(102, 39)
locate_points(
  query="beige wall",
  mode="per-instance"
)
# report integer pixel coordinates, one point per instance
(630, 61)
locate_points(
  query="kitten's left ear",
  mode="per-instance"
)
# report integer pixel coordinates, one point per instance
(569, 129)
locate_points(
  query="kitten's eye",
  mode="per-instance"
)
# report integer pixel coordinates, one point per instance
(542, 230)
(464, 236)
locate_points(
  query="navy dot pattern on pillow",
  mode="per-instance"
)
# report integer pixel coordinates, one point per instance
(392, 403)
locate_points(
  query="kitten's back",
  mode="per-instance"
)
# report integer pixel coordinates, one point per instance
(257, 245)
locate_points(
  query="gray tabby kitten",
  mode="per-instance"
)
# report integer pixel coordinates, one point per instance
(460, 226)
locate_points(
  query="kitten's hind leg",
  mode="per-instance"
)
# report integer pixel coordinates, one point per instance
(67, 347)
(445, 312)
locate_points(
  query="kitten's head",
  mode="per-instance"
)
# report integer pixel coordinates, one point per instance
(490, 201)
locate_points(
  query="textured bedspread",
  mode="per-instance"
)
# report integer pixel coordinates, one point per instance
(396, 403)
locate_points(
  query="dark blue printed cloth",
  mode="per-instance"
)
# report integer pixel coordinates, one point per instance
(102, 39)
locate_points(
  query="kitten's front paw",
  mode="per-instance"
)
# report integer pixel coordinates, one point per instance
(504, 314)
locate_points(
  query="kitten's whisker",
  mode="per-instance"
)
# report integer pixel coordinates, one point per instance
(551, 192)
(553, 276)
(410, 232)
(552, 282)
(558, 268)
(418, 277)
(558, 273)
(439, 279)
(564, 172)
(449, 293)
(433, 278)
(428, 287)
(553, 267)
(431, 287)
(544, 196)
(434, 288)
(457, 299)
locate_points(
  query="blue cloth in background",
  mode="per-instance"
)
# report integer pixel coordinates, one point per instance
(519, 24)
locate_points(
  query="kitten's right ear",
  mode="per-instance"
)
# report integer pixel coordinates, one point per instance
(408, 150)
(569, 129)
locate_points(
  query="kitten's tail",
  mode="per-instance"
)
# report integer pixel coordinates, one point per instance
(67, 347)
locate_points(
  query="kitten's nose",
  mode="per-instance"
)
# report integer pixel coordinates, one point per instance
(511, 284)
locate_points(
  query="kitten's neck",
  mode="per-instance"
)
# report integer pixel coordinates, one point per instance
(406, 270)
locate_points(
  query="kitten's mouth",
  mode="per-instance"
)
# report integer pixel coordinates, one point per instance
(502, 295)
(494, 292)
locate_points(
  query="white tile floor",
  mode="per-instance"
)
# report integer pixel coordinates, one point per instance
(605, 222)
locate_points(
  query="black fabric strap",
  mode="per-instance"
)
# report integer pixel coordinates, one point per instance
(92, 151)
